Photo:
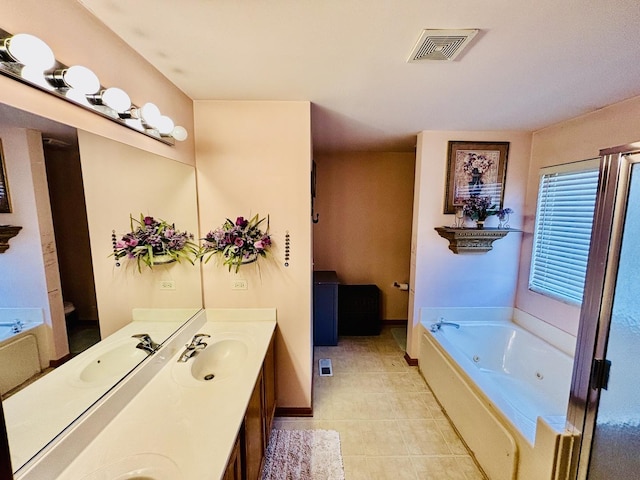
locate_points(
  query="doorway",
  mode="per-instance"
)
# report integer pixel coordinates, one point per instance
(69, 216)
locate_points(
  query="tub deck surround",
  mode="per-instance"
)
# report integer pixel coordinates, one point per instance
(192, 424)
(505, 389)
(20, 357)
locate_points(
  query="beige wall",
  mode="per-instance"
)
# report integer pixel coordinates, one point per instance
(255, 158)
(120, 180)
(440, 278)
(77, 37)
(577, 139)
(364, 233)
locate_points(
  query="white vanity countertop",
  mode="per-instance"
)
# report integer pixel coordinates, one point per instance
(176, 426)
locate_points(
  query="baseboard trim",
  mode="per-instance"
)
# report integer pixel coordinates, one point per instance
(394, 322)
(413, 362)
(294, 412)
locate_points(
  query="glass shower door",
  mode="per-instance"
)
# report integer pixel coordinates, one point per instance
(615, 451)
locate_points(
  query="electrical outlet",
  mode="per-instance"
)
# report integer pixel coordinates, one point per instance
(167, 285)
(239, 285)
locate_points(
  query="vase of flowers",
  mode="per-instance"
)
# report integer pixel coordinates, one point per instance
(479, 208)
(237, 243)
(153, 242)
(503, 216)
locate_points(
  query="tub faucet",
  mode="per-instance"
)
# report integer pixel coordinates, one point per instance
(146, 343)
(17, 326)
(440, 323)
(193, 348)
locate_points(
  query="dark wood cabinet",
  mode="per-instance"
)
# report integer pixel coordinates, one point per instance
(245, 463)
(234, 466)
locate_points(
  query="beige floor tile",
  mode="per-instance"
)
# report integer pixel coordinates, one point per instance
(390, 468)
(438, 467)
(383, 438)
(423, 437)
(390, 424)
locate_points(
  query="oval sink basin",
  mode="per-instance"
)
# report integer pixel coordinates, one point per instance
(219, 359)
(110, 363)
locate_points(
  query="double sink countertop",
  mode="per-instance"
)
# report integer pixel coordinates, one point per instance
(180, 425)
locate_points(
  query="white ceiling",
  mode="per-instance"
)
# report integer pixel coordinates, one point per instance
(533, 63)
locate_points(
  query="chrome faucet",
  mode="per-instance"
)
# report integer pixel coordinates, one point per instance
(17, 326)
(440, 323)
(146, 343)
(193, 348)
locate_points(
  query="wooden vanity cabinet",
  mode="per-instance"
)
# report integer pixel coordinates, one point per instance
(248, 454)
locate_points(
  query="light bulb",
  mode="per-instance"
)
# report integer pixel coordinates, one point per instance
(35, 75)
(150, 114)
(179, 133)
(165, 125)
(29, 50)
(77, 96)
(81, 79)
(116, 98)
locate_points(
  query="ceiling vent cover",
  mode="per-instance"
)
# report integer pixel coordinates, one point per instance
(440, 44)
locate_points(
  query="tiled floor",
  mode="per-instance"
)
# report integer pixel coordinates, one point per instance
(390, 425)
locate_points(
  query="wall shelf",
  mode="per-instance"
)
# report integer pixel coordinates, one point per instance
(7, 232)
(472, 240)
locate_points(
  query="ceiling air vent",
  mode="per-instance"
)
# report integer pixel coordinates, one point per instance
(440, 44)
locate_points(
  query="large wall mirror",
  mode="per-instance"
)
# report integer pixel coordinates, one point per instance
(70, 190)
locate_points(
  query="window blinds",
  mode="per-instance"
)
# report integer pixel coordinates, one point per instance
(564, 218)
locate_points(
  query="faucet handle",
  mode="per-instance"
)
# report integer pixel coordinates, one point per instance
(197, 338)
(145, 339)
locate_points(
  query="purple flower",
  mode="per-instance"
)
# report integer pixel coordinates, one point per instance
(238, 242)
(148, 221)
(241, 222)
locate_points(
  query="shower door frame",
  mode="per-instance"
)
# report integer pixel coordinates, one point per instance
(595, 315)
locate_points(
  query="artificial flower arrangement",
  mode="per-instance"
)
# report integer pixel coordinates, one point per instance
(479, 208)
(476, 164)
(237, 242)
(152, 241)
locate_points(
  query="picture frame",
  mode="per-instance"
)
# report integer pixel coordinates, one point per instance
(5, 202)
(475, 168)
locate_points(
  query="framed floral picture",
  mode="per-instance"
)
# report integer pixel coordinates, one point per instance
(5, 204)
(475, 169)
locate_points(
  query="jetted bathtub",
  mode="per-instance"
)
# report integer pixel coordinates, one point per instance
(506, 391)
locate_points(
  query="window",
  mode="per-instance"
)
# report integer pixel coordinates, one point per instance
(564, 217)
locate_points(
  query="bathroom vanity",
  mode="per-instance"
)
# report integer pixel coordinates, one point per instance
(206, 417)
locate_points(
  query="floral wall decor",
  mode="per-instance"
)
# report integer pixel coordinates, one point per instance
(475, 169)
(237, 243)
(154, 241)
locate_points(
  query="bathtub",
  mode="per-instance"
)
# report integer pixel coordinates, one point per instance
(19, 346)
(506, 391)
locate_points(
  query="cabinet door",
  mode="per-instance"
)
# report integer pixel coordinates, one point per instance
(234, 467)
(269, 375)
(254, 433)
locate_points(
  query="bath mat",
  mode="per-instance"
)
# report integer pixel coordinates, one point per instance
(303, 455)
(400, 335)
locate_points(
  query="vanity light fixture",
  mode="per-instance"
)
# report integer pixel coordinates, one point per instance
(28, 59)
(179, 133)
(165, 125)
(27, 50)
(77, 77)
(113, 97)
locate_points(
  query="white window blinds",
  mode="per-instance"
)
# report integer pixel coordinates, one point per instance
(564, 218)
